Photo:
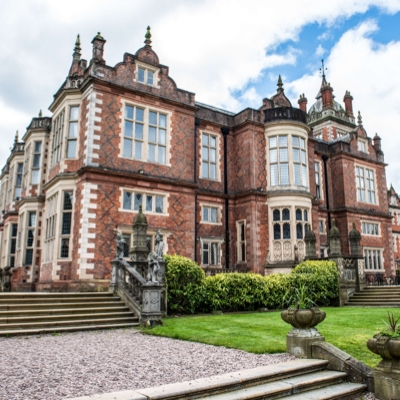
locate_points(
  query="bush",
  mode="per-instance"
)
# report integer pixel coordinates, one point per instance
(185, 284)
(190, 291)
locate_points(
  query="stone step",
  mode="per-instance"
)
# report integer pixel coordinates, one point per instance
(372, 303)
(73, 322)
(59, 329)
(66, 317)
(51, 305)
(342, 391)
(27, 295)
(284, 387)
(120, 307)
(309, 377)
(58, 300)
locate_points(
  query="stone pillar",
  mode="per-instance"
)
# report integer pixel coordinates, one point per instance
(334, 241)
(98, 43)
(309, 239)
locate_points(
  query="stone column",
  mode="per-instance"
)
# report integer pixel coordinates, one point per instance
(309, 239)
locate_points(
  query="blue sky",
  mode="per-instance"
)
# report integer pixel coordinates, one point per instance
(228, 52)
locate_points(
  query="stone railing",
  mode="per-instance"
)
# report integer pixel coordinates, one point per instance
(140, 282)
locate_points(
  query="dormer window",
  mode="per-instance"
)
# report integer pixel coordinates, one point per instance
(145, 76)
(362, 146)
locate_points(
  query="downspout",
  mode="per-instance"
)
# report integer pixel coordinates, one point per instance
(325, 158)
(196, 124)
(225, 132)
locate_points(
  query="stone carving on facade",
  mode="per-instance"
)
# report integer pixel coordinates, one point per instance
(277, 251)
(287, 251)
(334, 241)
(119, 252)
(159, 245)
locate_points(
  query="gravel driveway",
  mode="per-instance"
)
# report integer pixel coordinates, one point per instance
(53, 367)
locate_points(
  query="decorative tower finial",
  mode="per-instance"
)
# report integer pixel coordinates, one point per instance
(148, 37)
(78, 43)
(40, 114)
(359, 118)
(322, 71)
(16, 137)
(280, 83)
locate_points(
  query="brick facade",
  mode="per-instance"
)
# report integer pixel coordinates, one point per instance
(229, 190)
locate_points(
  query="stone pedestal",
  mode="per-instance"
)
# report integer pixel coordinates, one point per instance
(299, 341)
(387, 380)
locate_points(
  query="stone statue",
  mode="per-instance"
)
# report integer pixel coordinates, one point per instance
(153, 267)
(159, 245)
(119, 253)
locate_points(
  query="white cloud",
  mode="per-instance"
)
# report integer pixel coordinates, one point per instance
(214, 48)
(320, 51)
(369, 71)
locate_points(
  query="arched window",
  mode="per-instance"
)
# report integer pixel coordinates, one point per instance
(298, 214)
(286, 230)
(277, 231)
(299, 231)
(286, 214)
(277, 215)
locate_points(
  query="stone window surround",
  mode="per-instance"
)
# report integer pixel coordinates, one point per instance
(288, 130)
(365, 168)
(321, 182)
(145, 191)
(382, 269)
(147, 108)
(59, 188)
(219, 213)
(39, 167)
(218, 155)
(67, 121)
(323, 220)
(64, 106)
(362, 143)
(371, 222)
(240, 242)
(147, 67)
(291, 202)
(210, 240)
(51, 214)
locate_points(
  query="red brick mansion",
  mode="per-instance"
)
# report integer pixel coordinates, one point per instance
(229, 190)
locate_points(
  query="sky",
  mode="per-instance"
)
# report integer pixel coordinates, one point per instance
(228, 52)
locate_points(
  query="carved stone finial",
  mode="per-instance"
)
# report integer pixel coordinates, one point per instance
(355, 240)
(359, 118)
(78, 44)
(98, 36)
(147, 37)
(16, 137)
(40, 114)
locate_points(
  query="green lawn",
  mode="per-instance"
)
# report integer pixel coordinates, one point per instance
(346, 328)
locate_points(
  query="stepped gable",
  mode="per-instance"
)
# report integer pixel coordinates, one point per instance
(125, 73)
(277, 100)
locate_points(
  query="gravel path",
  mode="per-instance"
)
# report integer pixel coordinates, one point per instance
(54, 367)
(77, 364)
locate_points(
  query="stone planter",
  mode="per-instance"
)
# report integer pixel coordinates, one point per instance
(387, 372)
(386, 347)
(303, 318)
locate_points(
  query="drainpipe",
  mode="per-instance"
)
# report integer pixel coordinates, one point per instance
(225, 132)
(325, 158)
(196, 124)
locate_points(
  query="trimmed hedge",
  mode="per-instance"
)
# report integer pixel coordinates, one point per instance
(190, 291)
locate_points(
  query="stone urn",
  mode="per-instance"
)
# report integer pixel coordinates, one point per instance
(387, 372)
(386, 347)
(303, 318)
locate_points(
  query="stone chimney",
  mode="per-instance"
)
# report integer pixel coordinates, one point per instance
(348, 103)
(303, 103)
(327, 95)
(377, 142)
(98, 49)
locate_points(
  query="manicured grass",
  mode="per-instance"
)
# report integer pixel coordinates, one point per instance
(346, 328)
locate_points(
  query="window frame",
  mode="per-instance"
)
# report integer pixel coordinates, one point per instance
(363, 191)
(210, 207)
(134, 192)
(57, 138)
(378, 260)
(13, 244)
(30, 248)
(69, 137)
(210, 243)
(18, 186)
(145, 140)
(147, 68)
(241, 244)
(319, 193)
(36, 169)
(209, 148)
(65, 236)
(365, 225)
(362, 146)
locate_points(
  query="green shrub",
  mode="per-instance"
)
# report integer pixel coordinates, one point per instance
(190, 291)
(185, 284)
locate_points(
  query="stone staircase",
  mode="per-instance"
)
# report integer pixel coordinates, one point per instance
(376, 296)
(35, 313)
(294, 380)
